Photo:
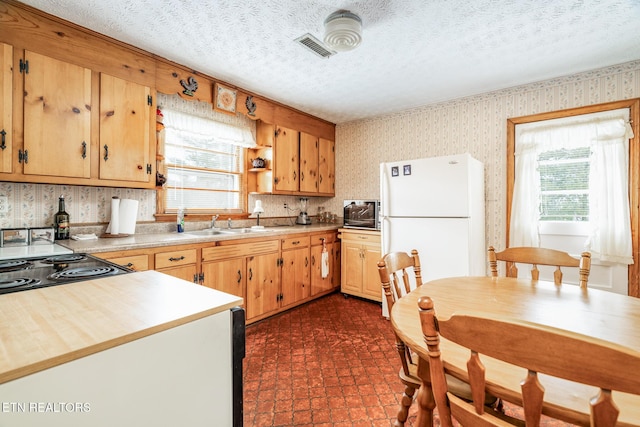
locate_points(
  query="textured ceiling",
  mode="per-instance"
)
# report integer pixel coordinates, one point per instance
(414, 52)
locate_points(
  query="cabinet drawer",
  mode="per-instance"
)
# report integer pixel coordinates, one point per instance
(134, 262)
(360, 237)
(329, 237)
(240, 249)
(295, 242)
(175, 258)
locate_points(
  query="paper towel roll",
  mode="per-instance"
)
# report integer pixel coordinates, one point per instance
(124, 213)
(128, 216)
(114, 225)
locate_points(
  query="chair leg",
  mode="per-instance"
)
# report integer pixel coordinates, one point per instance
(405, 404)
(426, 405)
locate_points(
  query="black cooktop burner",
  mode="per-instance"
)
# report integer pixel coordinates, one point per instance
(31, 273)
(14, 265)
(18, 282)
(82, 273)
(64, 259)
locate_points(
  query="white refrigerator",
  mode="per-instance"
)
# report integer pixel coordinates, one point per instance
(435, 205)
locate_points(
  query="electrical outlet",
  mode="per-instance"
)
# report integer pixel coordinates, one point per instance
(4, 205)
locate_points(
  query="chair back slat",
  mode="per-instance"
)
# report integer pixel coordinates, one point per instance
(539, 349)
(540, 256)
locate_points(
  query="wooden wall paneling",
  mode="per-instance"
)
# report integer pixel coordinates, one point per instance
(26, 27)
(169, 74)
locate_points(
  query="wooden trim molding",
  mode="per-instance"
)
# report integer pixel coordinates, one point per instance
(634, 169)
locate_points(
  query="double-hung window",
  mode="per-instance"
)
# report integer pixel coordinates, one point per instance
(571, 174)
(205, 164)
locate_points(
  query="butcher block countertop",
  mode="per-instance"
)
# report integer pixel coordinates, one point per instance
(45, 327)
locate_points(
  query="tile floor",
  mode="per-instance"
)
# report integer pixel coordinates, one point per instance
(328, 363)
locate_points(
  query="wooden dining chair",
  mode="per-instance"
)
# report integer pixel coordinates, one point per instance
(539, 256)
(538, 349)
(394, 269)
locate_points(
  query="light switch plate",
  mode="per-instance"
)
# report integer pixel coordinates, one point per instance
(4, 204)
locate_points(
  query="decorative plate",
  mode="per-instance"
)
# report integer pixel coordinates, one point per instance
(225, 99)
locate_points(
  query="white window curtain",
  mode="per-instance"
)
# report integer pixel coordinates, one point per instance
(197, 128)
(608, 135)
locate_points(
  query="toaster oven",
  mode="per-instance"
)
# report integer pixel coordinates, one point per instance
(362, 214)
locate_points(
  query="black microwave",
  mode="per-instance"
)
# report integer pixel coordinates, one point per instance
(362, 214)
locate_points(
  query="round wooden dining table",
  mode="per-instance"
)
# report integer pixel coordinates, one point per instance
(596, 313)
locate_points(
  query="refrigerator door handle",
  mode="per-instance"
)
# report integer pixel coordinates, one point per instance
(385, 235)
(384, 191)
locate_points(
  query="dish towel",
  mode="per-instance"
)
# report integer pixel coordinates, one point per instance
(325, 261)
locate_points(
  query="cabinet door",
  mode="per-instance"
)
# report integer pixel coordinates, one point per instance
(326, 167)
(125, 131)
(308, 163)
(57, 118)
(318, 283)
(352, 267)
(263, 286)
(296, 279)
(336, 268)
(371, 286)
(6, 105)
(226, 275)
(286, 169)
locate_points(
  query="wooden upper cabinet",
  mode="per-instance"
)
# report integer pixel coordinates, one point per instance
(286, 169)
(308, 163)
(57, 117)
(302, 163)
(326, 166)
(6, 105)
(125, 133)
(285, 161)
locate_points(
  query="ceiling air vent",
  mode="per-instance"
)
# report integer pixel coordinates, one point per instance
(314, 45)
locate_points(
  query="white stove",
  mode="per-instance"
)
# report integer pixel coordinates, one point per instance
(30, 267)
(33, 251)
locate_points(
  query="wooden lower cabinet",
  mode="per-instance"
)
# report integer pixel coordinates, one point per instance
(319, 242)
(246, 269)
(263, 285)
(360, 255)
(271, 275)
(180, 263)
(296, 272)
(227, 275)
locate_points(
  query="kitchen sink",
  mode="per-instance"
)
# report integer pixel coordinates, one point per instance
(216, 231)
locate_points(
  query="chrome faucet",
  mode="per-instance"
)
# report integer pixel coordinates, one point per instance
(213, 221)
(229, 223)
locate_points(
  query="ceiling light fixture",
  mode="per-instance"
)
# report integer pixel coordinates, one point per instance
(343, 30)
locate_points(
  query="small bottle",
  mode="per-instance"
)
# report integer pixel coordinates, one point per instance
(61, 221)
(180, 219)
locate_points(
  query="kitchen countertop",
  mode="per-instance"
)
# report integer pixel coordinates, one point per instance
(139, 241)
(46, 327)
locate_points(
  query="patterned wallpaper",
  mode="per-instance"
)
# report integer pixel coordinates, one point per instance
(475, 124)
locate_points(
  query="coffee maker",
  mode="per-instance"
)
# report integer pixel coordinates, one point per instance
(303, 218)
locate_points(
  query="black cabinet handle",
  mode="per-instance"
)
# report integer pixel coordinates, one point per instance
(176, 259)
(250, 274)
(106, 152)
(84, 150)
(3, 144)
(239, 276)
